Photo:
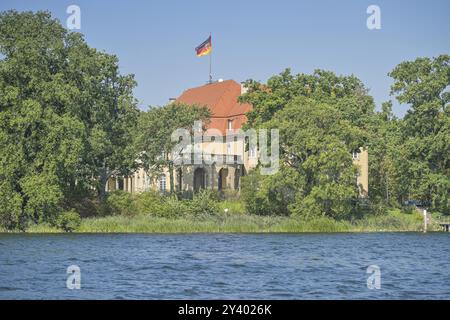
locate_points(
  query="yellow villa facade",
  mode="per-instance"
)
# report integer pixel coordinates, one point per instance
(227, 158)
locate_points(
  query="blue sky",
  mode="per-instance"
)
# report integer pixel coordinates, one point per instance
(155, 40)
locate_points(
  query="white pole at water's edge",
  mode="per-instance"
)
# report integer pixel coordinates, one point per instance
(425, 220)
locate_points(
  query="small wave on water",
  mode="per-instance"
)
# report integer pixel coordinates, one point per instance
(8, 289)
(210, 266)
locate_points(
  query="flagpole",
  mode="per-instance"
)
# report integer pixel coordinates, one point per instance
(210, 58)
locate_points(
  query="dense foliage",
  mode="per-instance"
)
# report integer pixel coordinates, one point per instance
(153, 204)
(154, 142)
(423, 159)
(69, 121)
(322, 119)
(66, 116)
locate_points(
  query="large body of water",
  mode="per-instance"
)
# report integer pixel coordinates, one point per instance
(226, 266)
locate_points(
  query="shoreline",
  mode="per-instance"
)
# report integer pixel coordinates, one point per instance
(236, 224)
(204, 233)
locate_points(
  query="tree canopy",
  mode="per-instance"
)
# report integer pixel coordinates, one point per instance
(66, 116)
(424, 84)
(321, 118)
(154, 141)
(69, 121)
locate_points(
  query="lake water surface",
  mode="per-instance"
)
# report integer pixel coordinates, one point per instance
(225, 266)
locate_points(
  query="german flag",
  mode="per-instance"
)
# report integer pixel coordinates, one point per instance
(205, 48)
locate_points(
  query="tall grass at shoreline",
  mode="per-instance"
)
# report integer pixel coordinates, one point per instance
(241, 223)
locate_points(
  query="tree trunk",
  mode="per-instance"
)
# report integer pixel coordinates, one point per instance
(102, 184)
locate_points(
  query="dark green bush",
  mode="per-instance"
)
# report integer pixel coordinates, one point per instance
(121, 203)
(149, 203)
(172, 207)
(205, 202)
(269, 195)
(330, 199)
(154, 204)
(68, 220)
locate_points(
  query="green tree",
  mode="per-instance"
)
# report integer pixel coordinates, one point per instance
(110, 123)
(316, 140)
(66, 116)
(154, 140)
(345, 93)
(383, 143)
(39, 143)
(423, 155)
(322, 118)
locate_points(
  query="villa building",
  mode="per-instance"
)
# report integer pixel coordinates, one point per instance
(228, 157)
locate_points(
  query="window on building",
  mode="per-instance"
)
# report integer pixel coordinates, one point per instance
(230, 124)
(162, 183)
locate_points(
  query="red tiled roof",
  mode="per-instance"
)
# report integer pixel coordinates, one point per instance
(221, 99)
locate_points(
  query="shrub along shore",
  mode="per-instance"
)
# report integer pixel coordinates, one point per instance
(391, 222)
(153, 213)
